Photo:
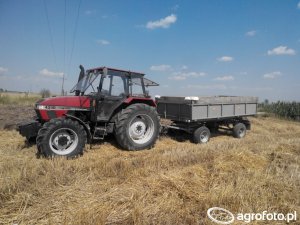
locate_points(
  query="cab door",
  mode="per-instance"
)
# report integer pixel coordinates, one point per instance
(113, 93)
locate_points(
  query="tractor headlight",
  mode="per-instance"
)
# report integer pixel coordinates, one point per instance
(41, 107)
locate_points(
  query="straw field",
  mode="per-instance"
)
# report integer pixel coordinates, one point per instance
(173, 183)
(18, 98)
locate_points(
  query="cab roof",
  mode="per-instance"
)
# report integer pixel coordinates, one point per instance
(126, 73)
(117, 72)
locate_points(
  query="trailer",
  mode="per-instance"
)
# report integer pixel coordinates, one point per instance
(200, 116)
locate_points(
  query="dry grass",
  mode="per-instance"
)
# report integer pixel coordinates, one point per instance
(9, 98)
(174, 183)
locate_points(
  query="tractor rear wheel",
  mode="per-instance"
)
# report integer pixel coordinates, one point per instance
(137, 127)
(61, 137)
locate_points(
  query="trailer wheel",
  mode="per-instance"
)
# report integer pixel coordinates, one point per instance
(137, 127)
(201, 135)
(61, 137)
(239, 130)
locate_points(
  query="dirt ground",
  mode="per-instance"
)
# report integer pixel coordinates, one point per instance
(11, 115)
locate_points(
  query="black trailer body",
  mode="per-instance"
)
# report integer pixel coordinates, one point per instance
(201, 115)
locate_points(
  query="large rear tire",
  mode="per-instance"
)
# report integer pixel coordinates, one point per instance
(61, 137)
(137, 127)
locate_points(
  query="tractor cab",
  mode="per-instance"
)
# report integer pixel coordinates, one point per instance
(109, 89)
(112, 82)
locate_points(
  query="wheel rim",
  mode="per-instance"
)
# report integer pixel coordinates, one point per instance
(242, 132)
(63, 141)
(204, 136)
(141, 129)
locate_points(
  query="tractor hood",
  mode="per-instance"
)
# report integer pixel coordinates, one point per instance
(64, 103)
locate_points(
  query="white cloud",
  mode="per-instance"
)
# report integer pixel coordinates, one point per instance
(177, 77)
(224, 78)
(252, 89)
(3, 70)
(162, 67)
(298, 6)
(194, 74)
(251, 33)
(20, 77)
(282, 50)
(162, 23)
(225, 59)
(91, 12)
(184, 67)
(103, 42)
(213, 86)
(272, 75)
(45, 72)
(184, 75)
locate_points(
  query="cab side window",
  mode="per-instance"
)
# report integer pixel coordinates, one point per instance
(118, 87)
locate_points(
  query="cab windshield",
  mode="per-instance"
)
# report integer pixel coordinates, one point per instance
(86, 82)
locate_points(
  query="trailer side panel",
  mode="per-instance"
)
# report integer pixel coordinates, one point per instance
(180, 109)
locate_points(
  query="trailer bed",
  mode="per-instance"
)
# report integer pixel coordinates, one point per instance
(192, 109)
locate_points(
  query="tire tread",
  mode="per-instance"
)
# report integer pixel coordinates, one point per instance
(121, 121)
(42, 139)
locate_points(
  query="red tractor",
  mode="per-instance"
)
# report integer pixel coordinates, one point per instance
(106, 101)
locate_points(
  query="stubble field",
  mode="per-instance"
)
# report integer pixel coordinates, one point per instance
(173, 183)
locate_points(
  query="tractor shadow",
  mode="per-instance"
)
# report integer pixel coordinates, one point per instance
(110, 139)
(177, 135)
(182, 136)
(221, 132)
(29, 143)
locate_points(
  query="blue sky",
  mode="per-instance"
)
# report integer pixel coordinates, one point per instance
(212, 47)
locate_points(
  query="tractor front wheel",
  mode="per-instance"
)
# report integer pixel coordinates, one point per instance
(61, 137)
(137, 127)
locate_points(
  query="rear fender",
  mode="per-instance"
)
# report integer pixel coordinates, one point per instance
(147, 101)
(130, 101)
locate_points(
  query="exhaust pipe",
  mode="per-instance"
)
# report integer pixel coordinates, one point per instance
(81, 75)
